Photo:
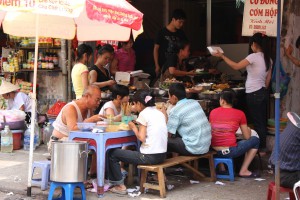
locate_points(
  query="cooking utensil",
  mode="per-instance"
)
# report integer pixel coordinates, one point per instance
(69, 161)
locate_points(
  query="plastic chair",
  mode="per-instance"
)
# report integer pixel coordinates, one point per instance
(272, 190)
(297, 190)
(44, 180)
(67, 190)
(229, 163)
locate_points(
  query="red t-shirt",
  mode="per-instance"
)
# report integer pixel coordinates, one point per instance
(224, 124)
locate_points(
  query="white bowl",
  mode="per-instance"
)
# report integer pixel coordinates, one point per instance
(83, 126)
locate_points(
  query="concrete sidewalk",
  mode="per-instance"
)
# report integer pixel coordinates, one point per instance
(14, 170)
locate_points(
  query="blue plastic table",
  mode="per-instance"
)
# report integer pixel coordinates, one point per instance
(101, 142)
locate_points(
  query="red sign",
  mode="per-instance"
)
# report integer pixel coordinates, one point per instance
(115, 12)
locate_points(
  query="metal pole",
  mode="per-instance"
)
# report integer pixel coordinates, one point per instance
(33, 111)
(277, 104)
(64, 69)
(208, 22)
(69, 70)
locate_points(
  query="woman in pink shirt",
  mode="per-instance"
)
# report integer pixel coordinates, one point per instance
(124, 59)
(225, 122)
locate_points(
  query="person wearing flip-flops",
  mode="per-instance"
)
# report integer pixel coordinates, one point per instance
(151, 129)
(225, 121)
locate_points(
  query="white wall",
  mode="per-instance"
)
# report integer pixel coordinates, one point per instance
(235, 52)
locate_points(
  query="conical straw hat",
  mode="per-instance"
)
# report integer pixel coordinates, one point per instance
(7, 87)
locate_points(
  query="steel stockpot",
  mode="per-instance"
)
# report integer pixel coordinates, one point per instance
(69, 161)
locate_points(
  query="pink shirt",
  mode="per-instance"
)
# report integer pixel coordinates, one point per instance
(224, 124)
(126, 60)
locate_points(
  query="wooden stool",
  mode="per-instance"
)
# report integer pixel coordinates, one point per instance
(272, 190)
(182, 160)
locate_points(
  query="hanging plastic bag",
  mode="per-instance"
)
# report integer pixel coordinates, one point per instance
(56, 108)
(284, 80)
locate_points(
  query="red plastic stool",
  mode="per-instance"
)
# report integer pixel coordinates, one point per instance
(272, 190)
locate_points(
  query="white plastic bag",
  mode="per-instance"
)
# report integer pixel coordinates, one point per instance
(12, 115)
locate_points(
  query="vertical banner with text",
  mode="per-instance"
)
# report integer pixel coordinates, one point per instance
(260, 16)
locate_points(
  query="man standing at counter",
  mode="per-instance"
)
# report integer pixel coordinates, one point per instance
(167, 38)
(189, 121)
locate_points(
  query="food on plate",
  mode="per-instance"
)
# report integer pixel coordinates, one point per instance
(209, 92)
(221, 86)
(132, 87)
(123, 127)
(173, 80)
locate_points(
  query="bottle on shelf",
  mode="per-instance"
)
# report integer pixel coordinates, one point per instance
(6, 140)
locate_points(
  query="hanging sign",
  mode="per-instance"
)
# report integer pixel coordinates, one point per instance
(68, 8)
(260, 16)
(114, 12)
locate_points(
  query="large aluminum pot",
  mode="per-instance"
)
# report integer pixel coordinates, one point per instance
(69, 161)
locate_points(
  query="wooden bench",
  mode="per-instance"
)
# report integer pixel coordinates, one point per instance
(185, 161)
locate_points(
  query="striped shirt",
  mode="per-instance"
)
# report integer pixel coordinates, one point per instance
(126, 60)
(188, 119)
(289, 155)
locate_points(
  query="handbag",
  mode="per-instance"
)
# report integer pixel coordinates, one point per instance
(284, 80)
(56, 108)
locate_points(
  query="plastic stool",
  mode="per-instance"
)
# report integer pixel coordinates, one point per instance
(67, 190)
(45, 166)
(229, 163)
(297, 190)
(272, 190)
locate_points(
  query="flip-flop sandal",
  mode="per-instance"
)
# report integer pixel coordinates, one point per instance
(252, 175)
(116, 191)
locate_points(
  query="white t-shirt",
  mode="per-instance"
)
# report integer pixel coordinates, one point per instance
(20, 100)
(257, 73)
(157, 132)
(111, 105)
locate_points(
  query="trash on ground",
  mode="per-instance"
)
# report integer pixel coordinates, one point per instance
(134, 194)
(219, 183)
(170, 187)
(136, 189)
(194, 182)
(10, 193)
(17, 179)
(259, 179)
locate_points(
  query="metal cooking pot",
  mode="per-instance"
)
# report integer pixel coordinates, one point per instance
(69, 161)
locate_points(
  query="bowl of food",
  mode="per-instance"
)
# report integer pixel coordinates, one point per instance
(85, 126)
(205, 86)
(158, 92)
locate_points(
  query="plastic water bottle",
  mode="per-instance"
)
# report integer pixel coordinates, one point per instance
(48, 129)
(6, 140)
(27, 138)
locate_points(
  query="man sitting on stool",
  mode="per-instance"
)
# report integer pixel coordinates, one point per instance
(289, 155)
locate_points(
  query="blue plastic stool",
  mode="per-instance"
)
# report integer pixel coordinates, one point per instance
(67, 190)
(229, 163)
(44, 180)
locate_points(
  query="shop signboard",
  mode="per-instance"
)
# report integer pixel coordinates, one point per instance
(260, 16)
(68, 8)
